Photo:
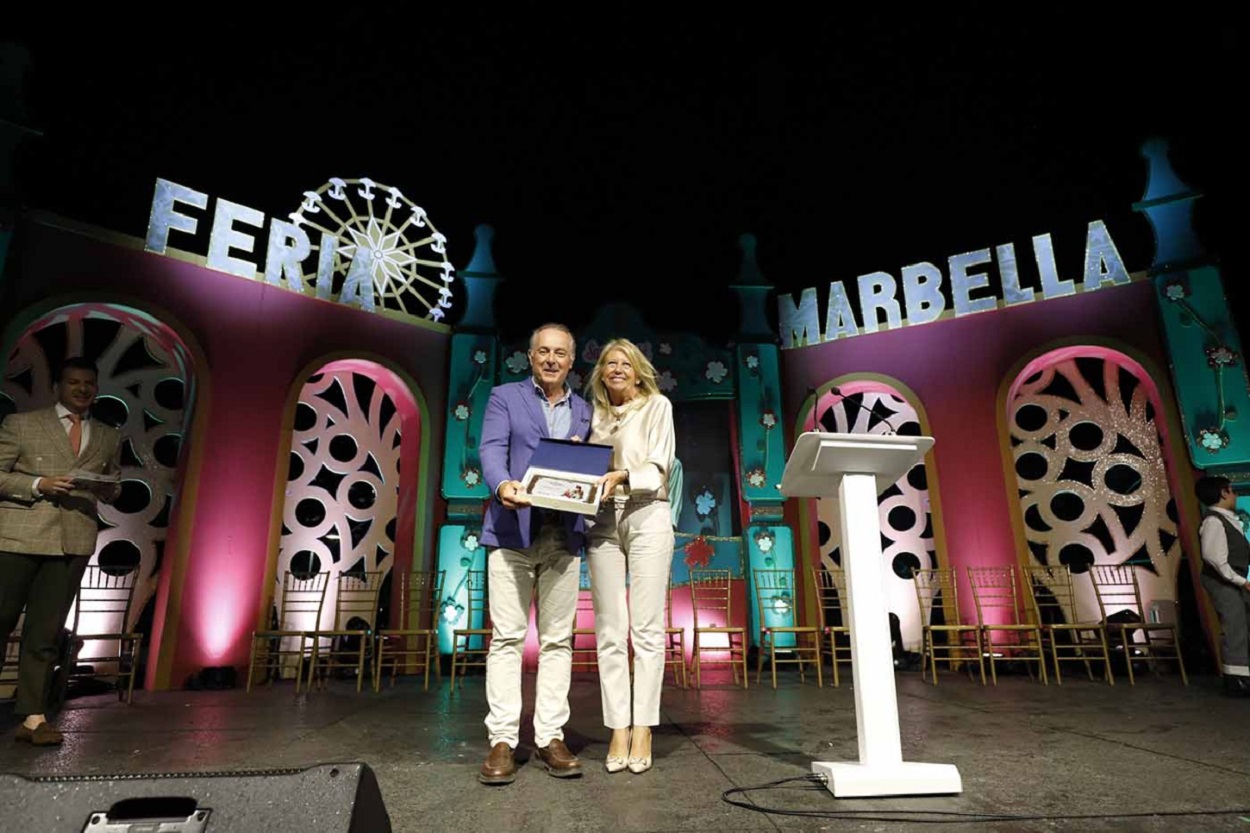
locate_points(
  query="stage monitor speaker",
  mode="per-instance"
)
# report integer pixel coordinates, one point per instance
(329, 798)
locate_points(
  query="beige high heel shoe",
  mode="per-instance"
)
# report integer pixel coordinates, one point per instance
(616, 763)
(640, 764)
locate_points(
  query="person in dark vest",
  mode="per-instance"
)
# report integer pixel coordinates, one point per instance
(1226, 578)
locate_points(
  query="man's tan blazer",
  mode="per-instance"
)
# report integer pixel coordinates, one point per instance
(35, 444)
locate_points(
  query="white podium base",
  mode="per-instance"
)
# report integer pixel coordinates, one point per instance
(854, 780)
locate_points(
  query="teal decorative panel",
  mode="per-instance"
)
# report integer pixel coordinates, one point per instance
(759, 414)
(1208, 367)
(459, 552)
(772, 548)
(472, 371)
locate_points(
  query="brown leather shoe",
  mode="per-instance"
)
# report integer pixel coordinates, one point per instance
(45, 734)
(500, 766)
(559, 761)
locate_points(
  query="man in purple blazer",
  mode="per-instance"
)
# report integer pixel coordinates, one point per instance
(531, 548)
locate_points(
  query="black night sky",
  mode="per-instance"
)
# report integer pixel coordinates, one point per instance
(620, 151)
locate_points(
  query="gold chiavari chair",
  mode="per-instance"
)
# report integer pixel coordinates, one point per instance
(711, 603)
(471, 645)
(346, 642)
(674, 640)
(777, 596)
(1052, 596)
(412, 645)
(110, 595)
(302, 598)
(938, 597)
(833, 617)
(1117, 589)
(999, 612)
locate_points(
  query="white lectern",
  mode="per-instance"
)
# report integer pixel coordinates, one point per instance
(856, 468)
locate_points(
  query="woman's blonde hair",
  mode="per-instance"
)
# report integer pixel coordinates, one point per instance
(597, 391)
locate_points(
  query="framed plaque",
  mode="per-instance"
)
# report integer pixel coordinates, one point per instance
(563, 475)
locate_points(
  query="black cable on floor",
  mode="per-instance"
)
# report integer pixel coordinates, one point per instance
(817, 783)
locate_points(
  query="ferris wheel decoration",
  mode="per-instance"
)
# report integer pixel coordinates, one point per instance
(385, 250)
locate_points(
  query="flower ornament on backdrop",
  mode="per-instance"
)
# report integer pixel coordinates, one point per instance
(461, 411)
(645, 349)
(575, 380)
(1213, 439)
(756, 478)
(699, 552)
(769, 420)
(591, 351)
(470, 541)
(1176, 289)
(752, 362)
(705, 502)
(517, 362)
(451, 610)
(666, 382)
(471, 476)
(1221, 355)
(666, 349)
(782, 603)
(479, 357)
(764, 539)
(716, 371)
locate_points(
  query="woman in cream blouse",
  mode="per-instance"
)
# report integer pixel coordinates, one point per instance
(633, 531)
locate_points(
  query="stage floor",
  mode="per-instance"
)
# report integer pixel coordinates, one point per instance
(1022, 749)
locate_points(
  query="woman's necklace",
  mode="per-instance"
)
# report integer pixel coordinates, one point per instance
(619, 412)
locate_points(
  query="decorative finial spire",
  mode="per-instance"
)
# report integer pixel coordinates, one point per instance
(1168, 205)
(749, 273)
(483, 262)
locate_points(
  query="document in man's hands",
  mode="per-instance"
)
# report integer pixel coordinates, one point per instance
(84, 476)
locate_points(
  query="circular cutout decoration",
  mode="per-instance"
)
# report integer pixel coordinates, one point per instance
(1122, 479)
(361, 494)
(135, 497)
(1031, 417)
(310, 512)
(343, 448)
(1031, 466)
(1077, 556)
(119, 557)
(1086, 436)
(169, 393)
(1067, 506)
(305, 564)
(905, 565)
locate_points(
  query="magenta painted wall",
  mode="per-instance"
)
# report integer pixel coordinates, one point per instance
(956, 367)
(256, 340)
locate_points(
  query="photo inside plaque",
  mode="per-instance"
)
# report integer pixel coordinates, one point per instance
(545, 485)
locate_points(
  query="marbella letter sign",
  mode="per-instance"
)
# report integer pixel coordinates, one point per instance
(376, 249)
(923, 300)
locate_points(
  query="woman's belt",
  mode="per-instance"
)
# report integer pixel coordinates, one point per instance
(632, 501)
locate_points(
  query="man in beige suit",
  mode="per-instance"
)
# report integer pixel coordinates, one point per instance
(48, 461)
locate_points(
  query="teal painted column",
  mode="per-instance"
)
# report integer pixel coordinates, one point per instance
(472, 373)
(1206, 357)
(761, 447)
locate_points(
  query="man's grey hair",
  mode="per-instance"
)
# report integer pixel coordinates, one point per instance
(554, 326)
